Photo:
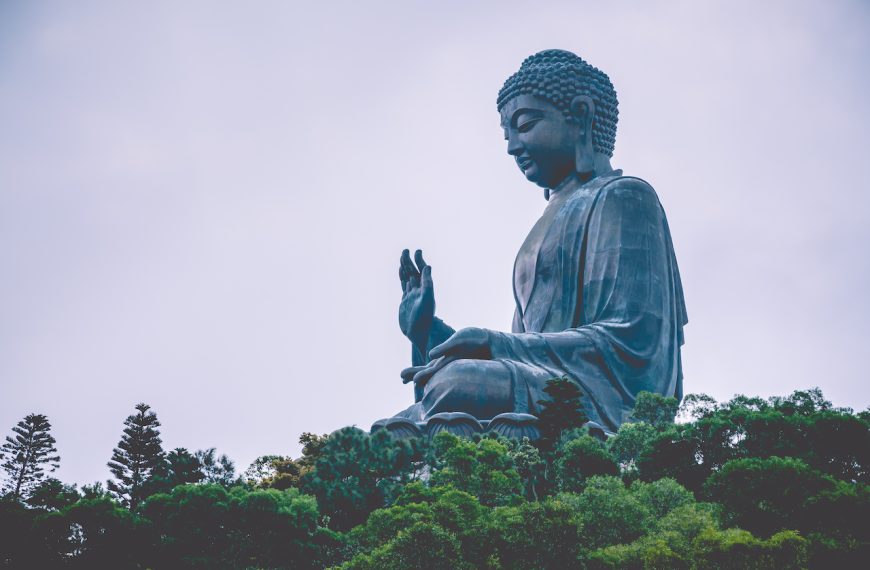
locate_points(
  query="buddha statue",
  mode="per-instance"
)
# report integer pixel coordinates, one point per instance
(597, 289)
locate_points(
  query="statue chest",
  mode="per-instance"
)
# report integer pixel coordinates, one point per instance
(539, 270)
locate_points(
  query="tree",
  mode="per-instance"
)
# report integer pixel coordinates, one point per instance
(529, 464)
(629, 444)
(484, 468)
(183, 467)
(654, 409)
(273, 472)
(560, 412)
(765, 496)
(138, 458)
(99, 533)
(283, 472)
(422, 546)
(581, 458)
(218, 469)
(697, 406)
(609, 513)
(208, 526)
(357, 472)
(53, 494)
(27, 455)
(540, 535)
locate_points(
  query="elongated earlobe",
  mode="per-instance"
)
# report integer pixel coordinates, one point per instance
(584, 154)
(584, 160)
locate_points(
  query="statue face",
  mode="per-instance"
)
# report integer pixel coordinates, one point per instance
(540, 138)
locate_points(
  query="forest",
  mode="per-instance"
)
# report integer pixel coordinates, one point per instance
(750, 483)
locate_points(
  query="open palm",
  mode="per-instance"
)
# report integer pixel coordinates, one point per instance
(417, 308)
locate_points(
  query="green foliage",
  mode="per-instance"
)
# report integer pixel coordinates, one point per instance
(770, 495)
(206, 526)
(183, 467)
(138, 460)
(629, 443)
(536, 535)
(52, 494)
(281, 472)
(561, 411)
(662, 496)
(19, 544)
(655, 410)
(608, 512)
(273, 472)
(735, 549)
(263, 471)
(27, 455)
(804, 426)
(579, 459)
(791, 472)
(95, 491)
(423, 546)
(669, 543)
(104, 535)
(484, 468)
(218, 469)
(357, 472)
(384, 524)
(530, 466)
(766, 495)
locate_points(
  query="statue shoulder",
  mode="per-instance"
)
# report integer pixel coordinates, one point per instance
(621, 196)
(627, 188)
(627, 185)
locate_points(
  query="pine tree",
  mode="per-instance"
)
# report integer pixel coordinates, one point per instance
(218, 469)
(138, 458)
(26, 456)
(183, 467)
(561, 412)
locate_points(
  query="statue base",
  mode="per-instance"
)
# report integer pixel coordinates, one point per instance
(510, 425)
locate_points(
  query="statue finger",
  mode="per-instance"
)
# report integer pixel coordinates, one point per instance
(403, 277)
(426, 277)
(442, 349)
(423, 376)
(408, 265)
(408, 373)
(418, 259)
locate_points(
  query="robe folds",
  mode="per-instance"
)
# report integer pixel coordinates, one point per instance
(598, 300)
(606, 306)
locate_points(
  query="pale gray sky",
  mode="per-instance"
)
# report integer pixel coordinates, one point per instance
(202, 204)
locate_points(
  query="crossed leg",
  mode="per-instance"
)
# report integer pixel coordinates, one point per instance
(482, 388)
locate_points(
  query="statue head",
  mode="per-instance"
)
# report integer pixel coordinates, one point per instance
(559, 116)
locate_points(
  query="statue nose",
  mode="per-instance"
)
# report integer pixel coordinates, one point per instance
(514, 147)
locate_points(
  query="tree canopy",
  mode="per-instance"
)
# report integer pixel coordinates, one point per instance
(749, 483)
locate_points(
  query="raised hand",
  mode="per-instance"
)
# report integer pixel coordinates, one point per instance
(417, 308)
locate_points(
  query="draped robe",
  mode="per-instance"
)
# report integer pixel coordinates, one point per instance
(598, 300)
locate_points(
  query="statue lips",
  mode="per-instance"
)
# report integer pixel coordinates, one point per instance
(524, 162)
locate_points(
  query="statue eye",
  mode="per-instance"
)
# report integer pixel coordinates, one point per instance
(526, 127)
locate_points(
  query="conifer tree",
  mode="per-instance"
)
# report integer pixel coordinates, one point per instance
(183, 467)
(561, 412)
(215, 468)
(27, 455)
(138, 458)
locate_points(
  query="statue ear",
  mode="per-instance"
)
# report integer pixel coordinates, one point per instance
(583, 110)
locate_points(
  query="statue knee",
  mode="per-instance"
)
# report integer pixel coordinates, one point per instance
(477, 387)
(444, 391)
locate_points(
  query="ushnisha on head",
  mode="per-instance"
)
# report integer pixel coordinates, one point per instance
(574, 105)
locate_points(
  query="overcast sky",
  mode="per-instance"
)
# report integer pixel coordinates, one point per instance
(202, 204)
